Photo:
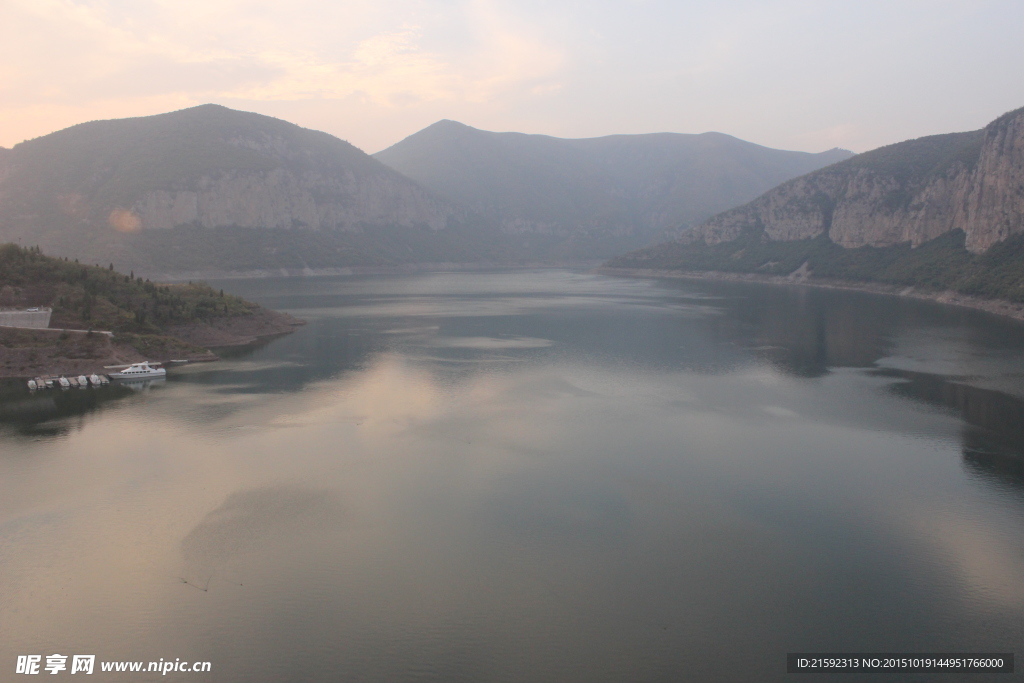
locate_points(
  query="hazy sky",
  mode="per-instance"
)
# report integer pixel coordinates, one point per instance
(793, 74)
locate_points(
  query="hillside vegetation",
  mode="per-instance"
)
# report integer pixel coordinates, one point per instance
(943, 264)
(149, 320)
(84, 296)
(921, 159)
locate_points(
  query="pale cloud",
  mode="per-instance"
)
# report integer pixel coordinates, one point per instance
(784, 73)
(393, 69)
(69, 59)
(513, 55)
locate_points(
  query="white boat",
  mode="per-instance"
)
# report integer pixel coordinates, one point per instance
(83, 381)
(63, 382)
(32, 384)
(94, 380)
(141, 370)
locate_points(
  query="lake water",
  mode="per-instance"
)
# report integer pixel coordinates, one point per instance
(530, 476)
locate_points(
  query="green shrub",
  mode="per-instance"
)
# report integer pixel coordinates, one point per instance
(941, 264)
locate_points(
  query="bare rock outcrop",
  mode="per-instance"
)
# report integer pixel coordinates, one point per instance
(283, 198)
(912, 192)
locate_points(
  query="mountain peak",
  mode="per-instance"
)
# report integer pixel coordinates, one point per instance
(207, 166)
(606, 192)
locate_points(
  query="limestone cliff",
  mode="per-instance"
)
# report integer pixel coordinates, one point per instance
(910, 192)
(287, 198)
(99, 188)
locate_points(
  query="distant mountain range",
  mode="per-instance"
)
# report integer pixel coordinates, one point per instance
(213, 189)
(594, 197)
(940, 212)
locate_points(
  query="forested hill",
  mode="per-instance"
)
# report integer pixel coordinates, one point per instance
(940, 212)
(144, 314)
(596, 196)
(90, 296)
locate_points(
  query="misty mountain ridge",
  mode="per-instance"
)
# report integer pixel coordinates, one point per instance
(607, 192)
(214, 189)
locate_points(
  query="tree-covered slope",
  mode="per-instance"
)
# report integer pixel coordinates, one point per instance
(942, 264)
(156, 320)
(90, 296)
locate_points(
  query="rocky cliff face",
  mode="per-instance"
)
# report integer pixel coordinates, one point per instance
(912, 192)
(304, 188)
(284, 198)
(205, 167)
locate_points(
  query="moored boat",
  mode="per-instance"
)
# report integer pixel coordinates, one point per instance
(94, 380)
(63, 382)
(83, 381)
(143, 370)
(32, 385)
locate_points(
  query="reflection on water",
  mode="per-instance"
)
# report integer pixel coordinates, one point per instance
(994, 461)
(537, 476)
(53, 412)
(245, 522)
(993, 431)
(806, 334)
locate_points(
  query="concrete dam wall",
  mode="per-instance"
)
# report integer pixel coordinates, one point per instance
(37, 319)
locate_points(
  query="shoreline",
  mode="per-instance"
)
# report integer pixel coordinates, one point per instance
(399, 269)
(998, 307)
(28, 353)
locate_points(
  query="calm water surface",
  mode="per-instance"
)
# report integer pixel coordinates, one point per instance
(530, 476)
